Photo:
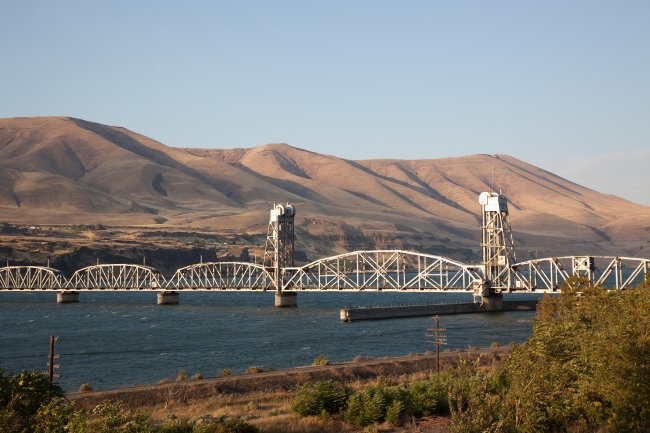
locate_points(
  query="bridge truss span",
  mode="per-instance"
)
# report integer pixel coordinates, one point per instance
(383, 270)
(116, 277)
(221, 276)
(30, 278)
(606, 271)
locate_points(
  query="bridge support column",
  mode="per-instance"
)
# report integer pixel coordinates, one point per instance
(66, 297)
(167, 298)
(286, 299)
(492, 302)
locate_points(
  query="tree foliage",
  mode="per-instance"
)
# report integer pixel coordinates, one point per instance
(585, 367)
(21, 396)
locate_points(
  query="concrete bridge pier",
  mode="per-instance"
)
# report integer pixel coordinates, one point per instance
(167, 298)
(66, 297)
(492, 302)
(286, 299)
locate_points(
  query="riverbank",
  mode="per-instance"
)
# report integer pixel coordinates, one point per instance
(188, 391)
(264, 399)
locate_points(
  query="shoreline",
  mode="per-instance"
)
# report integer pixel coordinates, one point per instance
(280, 380)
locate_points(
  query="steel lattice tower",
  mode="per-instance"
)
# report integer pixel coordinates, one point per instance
(278, 253)
(497, 244)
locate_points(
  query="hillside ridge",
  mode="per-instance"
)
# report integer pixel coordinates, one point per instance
(63, 170)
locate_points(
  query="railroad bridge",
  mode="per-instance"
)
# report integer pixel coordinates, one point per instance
(379, 270)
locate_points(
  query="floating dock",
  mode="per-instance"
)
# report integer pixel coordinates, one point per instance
(349, 314)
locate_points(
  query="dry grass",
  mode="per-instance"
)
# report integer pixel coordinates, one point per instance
(271, 411)
(224, 373)
(360, 358)
(264, 400)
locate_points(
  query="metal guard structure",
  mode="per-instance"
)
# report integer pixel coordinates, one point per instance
(221, 276)
(548, 274)
(359, 270)
(383, 270)
(30, 278)
(116, 277)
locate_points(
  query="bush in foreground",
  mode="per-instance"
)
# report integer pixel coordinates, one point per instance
(325, 397)
(21, 396)
(321, 360)
(584, 368)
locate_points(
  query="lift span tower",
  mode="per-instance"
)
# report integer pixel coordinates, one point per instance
(377, 270)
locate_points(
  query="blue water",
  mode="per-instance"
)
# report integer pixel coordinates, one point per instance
(122, 338)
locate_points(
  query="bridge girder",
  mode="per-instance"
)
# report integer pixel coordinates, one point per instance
(30, 278)
(358, 270)
(116, 277)
(221, 276)
(383, 270)
(549, 273)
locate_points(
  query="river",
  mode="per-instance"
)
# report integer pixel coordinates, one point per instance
(119, 339)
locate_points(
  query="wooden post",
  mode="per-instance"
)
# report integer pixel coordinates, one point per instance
(51, 365)
(439, 339)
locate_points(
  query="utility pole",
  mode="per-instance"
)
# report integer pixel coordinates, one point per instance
(439, 339)
(51, 365)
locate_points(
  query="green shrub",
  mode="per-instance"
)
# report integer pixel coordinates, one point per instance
(366, 407)
(21, 396)
(394, 412)
(584, 368)
(472, 404)
(236, 426)
(314, 399)
(370, 405)
(321, 360)
(252, 370)
(111, 415)
(426, 398)
(60, 416)
(224, 373)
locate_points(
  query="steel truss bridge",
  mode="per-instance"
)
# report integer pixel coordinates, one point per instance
(393, 270)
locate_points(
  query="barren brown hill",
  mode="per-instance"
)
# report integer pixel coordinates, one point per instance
(59, 170)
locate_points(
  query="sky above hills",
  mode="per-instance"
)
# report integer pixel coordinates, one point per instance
(562, 85)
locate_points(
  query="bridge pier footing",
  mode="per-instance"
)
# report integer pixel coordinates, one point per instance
(66, 297)
(167, 298)
(286, 299)
(493, 302)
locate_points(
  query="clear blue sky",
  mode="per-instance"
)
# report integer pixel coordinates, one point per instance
(541, 81)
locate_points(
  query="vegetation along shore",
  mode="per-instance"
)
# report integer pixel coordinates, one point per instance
(584, 369)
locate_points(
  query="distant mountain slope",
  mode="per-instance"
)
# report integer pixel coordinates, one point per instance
(60, 170)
